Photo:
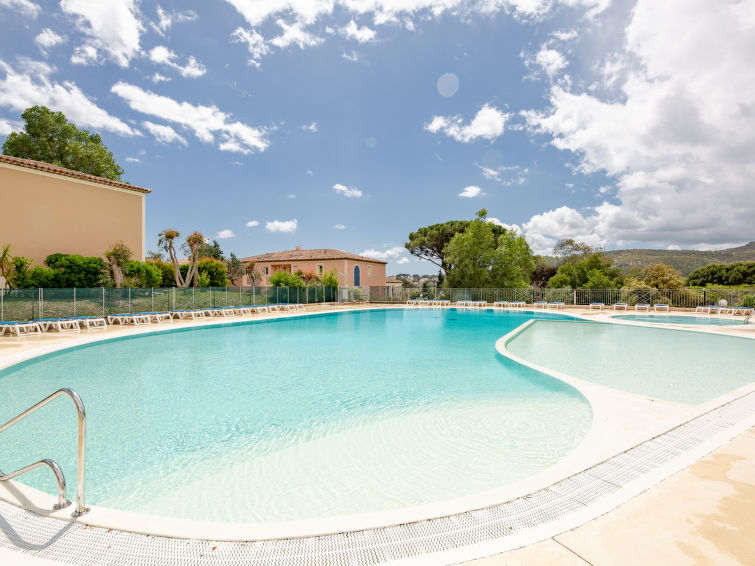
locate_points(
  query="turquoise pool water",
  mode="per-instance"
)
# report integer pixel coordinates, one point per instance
(296, 418)
(678, 319)
(674, 365)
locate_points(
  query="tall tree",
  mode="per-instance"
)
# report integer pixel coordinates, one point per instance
(429, 242)
(235, 269)
(513, 264)
(470, 254)
(211, 250)
(166, 240)
(48, 136)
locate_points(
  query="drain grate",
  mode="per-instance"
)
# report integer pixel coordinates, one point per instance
(79, 545)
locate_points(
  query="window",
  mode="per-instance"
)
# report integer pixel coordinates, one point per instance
(357, 278)
(320, 269)
(369, 271)
(267, 271)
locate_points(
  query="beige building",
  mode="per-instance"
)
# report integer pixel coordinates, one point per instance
(48, 209)
(353, 270)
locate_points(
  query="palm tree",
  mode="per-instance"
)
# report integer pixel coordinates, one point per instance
(193, 242)
(6, 263)
(165, 240)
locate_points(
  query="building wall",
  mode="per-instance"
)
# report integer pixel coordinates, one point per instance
(372, 274)
(43, 213)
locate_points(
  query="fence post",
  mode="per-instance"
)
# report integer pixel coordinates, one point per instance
(74, 301)
(129, 299)
(103, 302)
(174, 298)
(41, 302)
(2, 304)
(193, 302)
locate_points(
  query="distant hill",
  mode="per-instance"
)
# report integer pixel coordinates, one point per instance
(685, 261)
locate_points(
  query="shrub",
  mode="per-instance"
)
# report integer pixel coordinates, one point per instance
(285, 279)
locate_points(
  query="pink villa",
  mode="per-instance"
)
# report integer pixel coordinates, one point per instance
(353, 270)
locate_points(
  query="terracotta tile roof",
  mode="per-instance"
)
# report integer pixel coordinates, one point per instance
(55, 169)
(308, 255)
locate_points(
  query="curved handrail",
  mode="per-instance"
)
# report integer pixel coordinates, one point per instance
(57, 472)
(81, 468)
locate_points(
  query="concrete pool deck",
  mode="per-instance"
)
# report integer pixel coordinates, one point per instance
(13, 350)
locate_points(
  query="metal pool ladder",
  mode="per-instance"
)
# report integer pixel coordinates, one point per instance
(59, 477)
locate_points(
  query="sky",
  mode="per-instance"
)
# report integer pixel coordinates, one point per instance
(348, 124)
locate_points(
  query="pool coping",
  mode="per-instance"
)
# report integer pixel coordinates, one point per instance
(137, 523)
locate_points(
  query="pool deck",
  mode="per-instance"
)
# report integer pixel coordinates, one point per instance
(702, 514)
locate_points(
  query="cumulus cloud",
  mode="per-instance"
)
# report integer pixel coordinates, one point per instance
(23, 7)
(339, 227)
(158, 78)
(252, 223)
(506, 175)
(403, 261)
(680, 133)
(552, 61)
(488, 123)
(255, 44)
(390, 254)
(85, 55)
(353, 31)
(295, 34)
(353, 56)
(161, 55)
(348, 192)
(47, 39)
(225, 234)
(166, 19)
(33, 86)
(471, 192)
(133, 160)
(112, 26)
(206, 122)
(284, 226)
(310, 127)
(164, 134)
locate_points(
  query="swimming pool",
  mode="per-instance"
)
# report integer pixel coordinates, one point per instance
(298, 418)
(680, 319)
(681, 366)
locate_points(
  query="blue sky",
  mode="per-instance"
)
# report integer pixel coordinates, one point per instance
(350, 123)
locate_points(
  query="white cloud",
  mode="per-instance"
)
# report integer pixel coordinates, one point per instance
(403, 261)
(164, 134)
(6, 127)
(488, 123)
(544, 230)
(32, 87)
(673, 247)
(391, 254)
(161, 55)
(679, 133)
(592, 7)
(252, 223)
(567, 35)
(339, 227)
(348, 192)
(352, 31)
(165, 19)
(158, 78)
(47, 38)
(133, 160)
(205, 121)
(284, 226)
(225, 234)
(471, 192)
(254, 42)
(516, 175)
(353, 56)
(310, 127)
(23, 7)
(309, 172)
(85, 55)
(295, 34)
(113, 26)
(552, 61)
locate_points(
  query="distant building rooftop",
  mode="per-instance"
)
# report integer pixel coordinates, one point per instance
(56, 170)
(309, 255)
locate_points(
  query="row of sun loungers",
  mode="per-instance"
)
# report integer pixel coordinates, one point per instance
(716, 309)
(79, 323)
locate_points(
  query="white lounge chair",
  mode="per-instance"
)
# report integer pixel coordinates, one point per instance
(660, 307)
(186, 313)
(19, 328)
(619, 306)
(129, 318)
(517, 304)
(599, 306)
(556, 305)
(642, 307)
(541, 304)
(60, 324)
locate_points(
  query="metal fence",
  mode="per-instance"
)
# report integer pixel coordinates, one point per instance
(680, 298)
(28, 304)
